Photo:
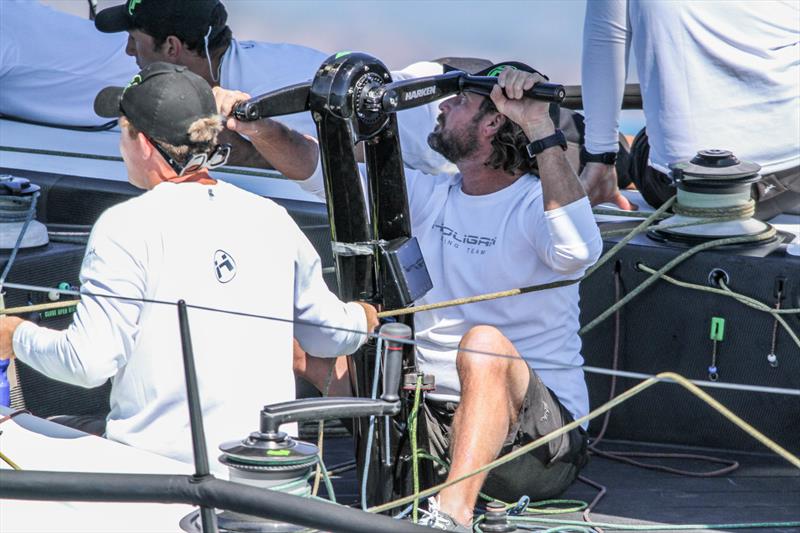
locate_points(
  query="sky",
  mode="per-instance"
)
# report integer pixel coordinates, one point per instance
(546, 34)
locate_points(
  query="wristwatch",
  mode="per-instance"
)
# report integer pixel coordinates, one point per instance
(607, 158)
(540, 145)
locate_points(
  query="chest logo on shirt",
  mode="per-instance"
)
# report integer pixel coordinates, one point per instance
(224, 266)
(471, 244)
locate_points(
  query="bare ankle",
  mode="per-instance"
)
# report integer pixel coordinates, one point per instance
(457, 510)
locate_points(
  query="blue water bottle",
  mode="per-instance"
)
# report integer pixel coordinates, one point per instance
(5, 388)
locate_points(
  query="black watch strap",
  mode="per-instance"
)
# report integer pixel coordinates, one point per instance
(607, 158)
(540, 145)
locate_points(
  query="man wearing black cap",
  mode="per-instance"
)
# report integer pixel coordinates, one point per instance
(194, 33)
(188, 237)
(515, 215)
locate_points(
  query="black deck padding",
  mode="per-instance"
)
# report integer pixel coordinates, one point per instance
(666, 328)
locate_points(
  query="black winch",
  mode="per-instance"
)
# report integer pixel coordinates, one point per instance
(272, 460)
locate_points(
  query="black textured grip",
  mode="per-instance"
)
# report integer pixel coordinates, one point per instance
(393, 359)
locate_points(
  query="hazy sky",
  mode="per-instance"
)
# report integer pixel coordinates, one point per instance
(546, 34)
(543, 33)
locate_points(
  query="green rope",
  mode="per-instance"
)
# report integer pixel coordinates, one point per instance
(625, 240)
(726, 291)
(653, 527)
(412, 421)
(327, 479)
(674, 262)
(538, 507)
(627, 214)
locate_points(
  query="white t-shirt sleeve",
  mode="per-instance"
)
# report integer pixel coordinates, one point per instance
(567, 239)
(316, 307)
(104, 329)
(606, 42)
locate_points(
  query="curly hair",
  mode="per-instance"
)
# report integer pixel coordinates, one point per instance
(203, 135)
(508, 145)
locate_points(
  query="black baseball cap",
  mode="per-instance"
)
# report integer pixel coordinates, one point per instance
(186, 19)
(162, 101)
(496, 69)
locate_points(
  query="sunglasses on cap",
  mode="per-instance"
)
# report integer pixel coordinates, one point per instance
(195, 162)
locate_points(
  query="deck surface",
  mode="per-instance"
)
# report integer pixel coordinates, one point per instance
(764, 488)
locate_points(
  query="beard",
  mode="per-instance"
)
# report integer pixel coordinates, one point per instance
(453, 145)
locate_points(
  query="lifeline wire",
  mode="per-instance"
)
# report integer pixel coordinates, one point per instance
(551, 365)
(483, 297)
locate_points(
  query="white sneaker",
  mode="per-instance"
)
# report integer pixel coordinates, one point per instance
(435, 518)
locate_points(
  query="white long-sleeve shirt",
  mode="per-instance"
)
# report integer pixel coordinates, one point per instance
(211, 245)
(712, 74)
(479, 244)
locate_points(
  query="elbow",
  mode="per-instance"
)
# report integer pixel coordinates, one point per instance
(80, 373)
(578, 257)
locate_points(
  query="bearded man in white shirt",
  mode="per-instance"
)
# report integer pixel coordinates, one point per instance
(532, 224)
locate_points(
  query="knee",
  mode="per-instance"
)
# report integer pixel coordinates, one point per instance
(485, 349)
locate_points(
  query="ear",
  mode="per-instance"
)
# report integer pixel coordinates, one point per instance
(173, 48)
(491, 123)
(144, 146)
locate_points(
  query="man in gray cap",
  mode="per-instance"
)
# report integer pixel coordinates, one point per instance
(188, 237)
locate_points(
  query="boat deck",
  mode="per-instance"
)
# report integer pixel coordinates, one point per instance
(764, 488)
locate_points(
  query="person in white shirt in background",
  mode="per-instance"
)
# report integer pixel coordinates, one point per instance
(52, 64)
(712, 75)
(188, 237)
(194, 33)
(503, 221)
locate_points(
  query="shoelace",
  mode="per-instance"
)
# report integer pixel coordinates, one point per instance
(433, 517)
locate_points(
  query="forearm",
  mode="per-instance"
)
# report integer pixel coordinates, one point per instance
(243, 153)
(603, 71)
(289, 152)
(560, 185)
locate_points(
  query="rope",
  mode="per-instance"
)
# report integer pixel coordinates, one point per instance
(413, 419)
(653, 527)
(371, 428)
(321, 432)
(626, 214)
(478, 298)
(530, 360)
(534, 288)
(633, 391)
(726, 291)
(675, 261)
(746, 210)
(9, 462)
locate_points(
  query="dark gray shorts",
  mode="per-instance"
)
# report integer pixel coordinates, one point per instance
(542, 473)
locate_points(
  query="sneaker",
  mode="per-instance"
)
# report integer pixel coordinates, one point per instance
(435, 518)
